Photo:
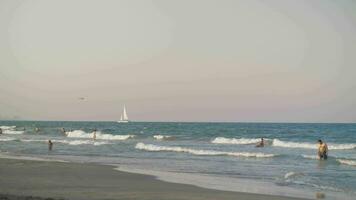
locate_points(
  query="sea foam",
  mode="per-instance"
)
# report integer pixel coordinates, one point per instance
(306, 145)
(292, 175)
(347, 162)
(10, 130)
(81, 142)
(163, 137)
(6, 139)
(69, 142)
(314, 157)
(99, 135)
(223, 140)
(7, 127)
(151, 147)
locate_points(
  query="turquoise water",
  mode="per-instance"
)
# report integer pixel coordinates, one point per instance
(223, 150)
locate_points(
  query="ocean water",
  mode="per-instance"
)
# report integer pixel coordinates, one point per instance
(213, 155)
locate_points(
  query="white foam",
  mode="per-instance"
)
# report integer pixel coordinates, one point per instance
(20, 157)
(347, 162)
(163, 137)
(305, 145)
(222, 183)
(7, 127)
(314, 157)
(33, 140)
(10, 130)
(222, 140)
(70, 142)
(151, 147)
(292, 175)
(2, 139)
(99, 135)
(81, 142)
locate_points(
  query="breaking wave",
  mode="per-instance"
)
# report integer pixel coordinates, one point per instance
(163, 137)
(305, 145)
(99, 135)
(223, 140)
(69, 142)
(10, 130)
(7, 127)
(7, 139)
(347, 162)
(314, 157)
(151, 147)
(81, 142)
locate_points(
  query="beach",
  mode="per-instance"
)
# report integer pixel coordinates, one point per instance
(21, 179)
(185, 156)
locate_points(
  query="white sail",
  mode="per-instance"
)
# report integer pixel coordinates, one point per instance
(125, 117)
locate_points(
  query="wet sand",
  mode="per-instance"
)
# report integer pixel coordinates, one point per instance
(24, 179)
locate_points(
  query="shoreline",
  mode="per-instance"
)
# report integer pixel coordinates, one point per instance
(66, 180)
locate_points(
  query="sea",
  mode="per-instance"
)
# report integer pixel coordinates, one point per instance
(219, 156)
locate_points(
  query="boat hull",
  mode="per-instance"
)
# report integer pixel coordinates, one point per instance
(123, 121)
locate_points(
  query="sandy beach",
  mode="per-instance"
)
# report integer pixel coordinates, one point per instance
(24, 179)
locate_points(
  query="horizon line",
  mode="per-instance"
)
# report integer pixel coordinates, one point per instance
(142, 121)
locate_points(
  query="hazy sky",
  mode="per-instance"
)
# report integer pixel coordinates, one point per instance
(284, 61)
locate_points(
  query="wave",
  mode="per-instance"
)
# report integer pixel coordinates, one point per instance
(347, 162)
(151, 147)
(163, 137)
(99, 135)
(222, 140)
(293, 174)
(13, 132)
(7, 127)
(7, 139)
(33, 140)
(314, 157)
(20, 157)
(81, 142)
(70, 142)
(10, 130)
(305, 145)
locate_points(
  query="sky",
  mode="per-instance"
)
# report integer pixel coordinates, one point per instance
(187, 60)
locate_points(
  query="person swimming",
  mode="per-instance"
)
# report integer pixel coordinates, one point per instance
(261, 143)
(50, 145)
(322, 150)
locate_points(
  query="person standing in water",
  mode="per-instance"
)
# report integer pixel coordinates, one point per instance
(50, 145)
(94, 134)
(64, 131)
(261, 143)
(322, 150)
(0, 130)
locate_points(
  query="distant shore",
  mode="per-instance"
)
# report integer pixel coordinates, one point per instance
(24, 179)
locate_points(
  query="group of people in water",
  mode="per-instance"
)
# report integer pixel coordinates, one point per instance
(322, 148)
(50, 143)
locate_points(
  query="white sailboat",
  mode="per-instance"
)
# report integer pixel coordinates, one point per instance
(124, 118)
